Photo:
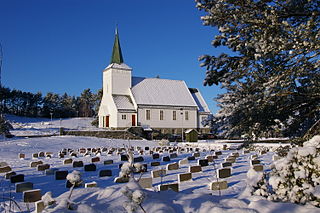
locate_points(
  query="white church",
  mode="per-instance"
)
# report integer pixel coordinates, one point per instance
(152, 103)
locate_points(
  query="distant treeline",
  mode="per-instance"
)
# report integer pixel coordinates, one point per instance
(28, 104)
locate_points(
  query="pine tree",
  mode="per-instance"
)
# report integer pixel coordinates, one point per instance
(273, 77)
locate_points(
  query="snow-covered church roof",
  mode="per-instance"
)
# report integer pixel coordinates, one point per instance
(161, 92)
(202, 105)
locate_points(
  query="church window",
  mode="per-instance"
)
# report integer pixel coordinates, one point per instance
(186, 115)
(124, 117)
(147, 114)
(161, 115)
(174, 115)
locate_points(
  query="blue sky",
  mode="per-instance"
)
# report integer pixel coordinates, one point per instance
(63, 45)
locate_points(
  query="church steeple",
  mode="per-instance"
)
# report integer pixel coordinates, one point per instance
(116, 51)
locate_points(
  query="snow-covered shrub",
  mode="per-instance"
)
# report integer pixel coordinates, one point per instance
(257, 183)
(47, 199)
(129, 168)
(135, 199)
(296, 178)
(74, 177)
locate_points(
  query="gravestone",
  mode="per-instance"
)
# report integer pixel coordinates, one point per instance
(221, 185)
(17, 178)
(61, 175)
(184, 177)
(61, 155)
(258, 168)
(31, 196)
(173, 155)
(5, 169)
(48, 156)
(124, 157)
(9, 174)
(196, 154)
(166, 158)
(203, 162)
(172, 166)
(39, 205)
(138, 159)
(90, 168)
(183, 161)
(51, 171)
(73, 154)
(67, 161)
(105, 172)
(158, 173)
(156, 163)
(209, 158)
(41, 154)
(49, 153)
(194, 169)
(226, 164)
(77, 164)
(90, 185)
(146, 148)
(25, 186)
(21, 156)
(191, 158)
(35, 163)
(254, 156)
(218, 153)
(107, 162)
(95, 159)
(230, 159)
(255, 162)
(155, 156)
(43, 167)
(224, 173)
(235, 154)
(35, 155)
(172, 186)
(145, 182)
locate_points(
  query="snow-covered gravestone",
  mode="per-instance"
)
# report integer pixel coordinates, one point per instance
(221, 185)
(183, 161)
(224, 173)
(172, 166)
(257, 167)
(194, 169)
(90, 185)
(184, 177)
(25, 186)
(158, 173)
(172, 186)
(31, 196)
(5, 169)
(145, 182)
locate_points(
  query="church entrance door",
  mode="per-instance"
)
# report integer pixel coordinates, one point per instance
(107, 121)
(133, 120)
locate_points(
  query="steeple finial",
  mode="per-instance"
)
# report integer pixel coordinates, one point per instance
(116, 51)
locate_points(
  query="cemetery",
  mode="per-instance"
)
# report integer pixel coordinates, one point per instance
(202, 169)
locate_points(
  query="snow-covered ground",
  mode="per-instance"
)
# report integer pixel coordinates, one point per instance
(24, 126)
(193, 196)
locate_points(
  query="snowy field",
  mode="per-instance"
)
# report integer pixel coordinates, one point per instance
(193, 196)
(24, 126)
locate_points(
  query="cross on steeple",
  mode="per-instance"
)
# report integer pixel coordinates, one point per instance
(116, 51)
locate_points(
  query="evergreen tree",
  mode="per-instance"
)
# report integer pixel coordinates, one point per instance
(272, 79)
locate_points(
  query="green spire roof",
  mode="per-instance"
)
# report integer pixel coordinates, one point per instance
(116, 51)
